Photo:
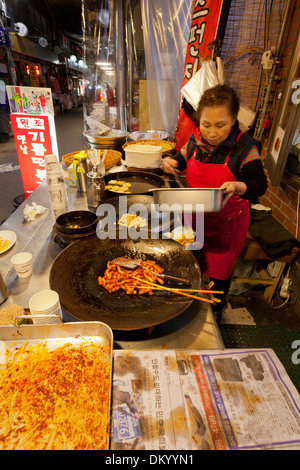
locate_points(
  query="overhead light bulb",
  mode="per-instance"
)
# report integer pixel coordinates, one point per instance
(103, 64)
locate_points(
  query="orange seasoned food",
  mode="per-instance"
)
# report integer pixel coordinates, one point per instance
(4, 244)
(119, 278)
(55, 399)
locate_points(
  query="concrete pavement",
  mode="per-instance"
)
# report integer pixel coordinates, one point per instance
(69, 129)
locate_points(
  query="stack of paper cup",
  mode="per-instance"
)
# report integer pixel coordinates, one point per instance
(56, 184)
(47, 303)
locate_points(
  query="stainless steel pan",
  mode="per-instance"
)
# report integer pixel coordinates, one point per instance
(56, 336)
(180, 198)
(141, 182)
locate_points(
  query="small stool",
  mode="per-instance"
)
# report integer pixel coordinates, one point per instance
(253, 251)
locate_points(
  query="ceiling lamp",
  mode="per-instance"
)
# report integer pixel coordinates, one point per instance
(43, 42)
(21, 29)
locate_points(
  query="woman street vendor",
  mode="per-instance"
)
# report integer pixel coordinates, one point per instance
(219, 155)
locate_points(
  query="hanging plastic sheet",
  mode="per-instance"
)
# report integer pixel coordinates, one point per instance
(166, 28)
(104, 103)
(134, 54)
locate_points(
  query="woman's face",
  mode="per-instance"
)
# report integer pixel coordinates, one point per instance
(216, 124)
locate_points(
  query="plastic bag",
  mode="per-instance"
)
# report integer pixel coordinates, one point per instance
(96, 126)
(206, 77)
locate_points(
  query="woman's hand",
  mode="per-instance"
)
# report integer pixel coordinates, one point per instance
(231, 188)
(170, 165)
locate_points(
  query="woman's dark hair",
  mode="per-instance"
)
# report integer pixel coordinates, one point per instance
(220, 95)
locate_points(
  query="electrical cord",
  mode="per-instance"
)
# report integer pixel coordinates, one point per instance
(288, 301)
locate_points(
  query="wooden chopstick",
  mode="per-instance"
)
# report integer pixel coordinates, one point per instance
(177, 291)
(199, 291)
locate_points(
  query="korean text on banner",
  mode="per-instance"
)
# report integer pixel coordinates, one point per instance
(32, 119)
(204, 27)
(34, 139)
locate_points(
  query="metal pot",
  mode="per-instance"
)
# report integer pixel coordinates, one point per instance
(76, 222)
(95, 188)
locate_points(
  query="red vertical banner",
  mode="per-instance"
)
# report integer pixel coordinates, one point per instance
(204, 27)
(34, 139)
(32, 119)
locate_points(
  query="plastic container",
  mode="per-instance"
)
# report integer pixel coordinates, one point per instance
(143, 156)
(56, 185)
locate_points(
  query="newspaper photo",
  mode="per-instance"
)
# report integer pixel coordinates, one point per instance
(200, 400)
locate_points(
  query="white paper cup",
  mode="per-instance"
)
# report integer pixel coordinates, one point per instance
(22, 263)
(45, 302)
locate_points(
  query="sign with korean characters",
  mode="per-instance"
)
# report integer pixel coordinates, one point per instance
(206, 22)
(32, 120)
(204, 27)
(35, 137)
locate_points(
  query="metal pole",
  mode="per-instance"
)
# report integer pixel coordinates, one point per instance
(9, 65)
(121, 72)
(129, 63)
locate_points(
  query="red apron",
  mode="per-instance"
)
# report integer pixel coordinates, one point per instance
(224, 232)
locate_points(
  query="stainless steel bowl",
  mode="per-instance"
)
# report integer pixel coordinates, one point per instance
(138, 135)
(115, 140)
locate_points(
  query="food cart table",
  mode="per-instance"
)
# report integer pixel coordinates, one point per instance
(194, 329)
(174, 387)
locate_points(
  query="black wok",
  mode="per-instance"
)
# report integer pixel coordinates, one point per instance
(141, 182)
(156, 221)
(74, 276)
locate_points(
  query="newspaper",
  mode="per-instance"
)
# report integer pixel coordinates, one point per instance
(197, 400)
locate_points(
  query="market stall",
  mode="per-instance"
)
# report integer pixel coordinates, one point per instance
(129, 356)
(39, 238)
(174, 386)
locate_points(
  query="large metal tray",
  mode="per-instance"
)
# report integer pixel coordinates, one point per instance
(57, 335)
(177, 199)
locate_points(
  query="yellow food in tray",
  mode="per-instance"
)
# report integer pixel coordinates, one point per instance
(55, 399)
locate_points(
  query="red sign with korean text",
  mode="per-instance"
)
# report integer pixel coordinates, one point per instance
(204, 27)
(33, 138)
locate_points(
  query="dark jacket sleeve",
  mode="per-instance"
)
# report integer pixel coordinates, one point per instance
(189, 150)
(253, 175)
(181, 161)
